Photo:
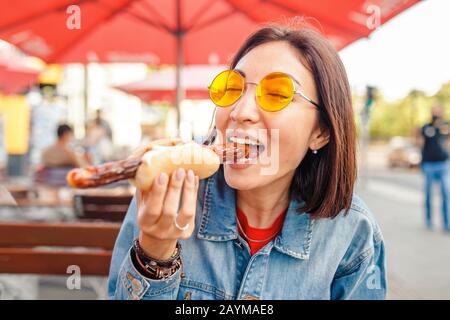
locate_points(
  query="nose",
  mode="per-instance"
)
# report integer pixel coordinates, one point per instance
(246, 110)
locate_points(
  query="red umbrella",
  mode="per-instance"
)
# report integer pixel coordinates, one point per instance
(149, 30)
(161, 85)
(173, 31)
(15, 76)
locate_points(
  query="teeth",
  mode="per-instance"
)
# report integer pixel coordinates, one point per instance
(242, 141)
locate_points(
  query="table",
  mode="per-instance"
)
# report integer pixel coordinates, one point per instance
(39, 202)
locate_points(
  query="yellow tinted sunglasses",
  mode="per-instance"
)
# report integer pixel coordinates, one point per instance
(273, 93)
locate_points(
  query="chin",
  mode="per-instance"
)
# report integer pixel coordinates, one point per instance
(243, 178)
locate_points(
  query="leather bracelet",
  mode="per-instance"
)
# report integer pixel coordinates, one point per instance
(140, 267)
(154, 268)
(153, 261)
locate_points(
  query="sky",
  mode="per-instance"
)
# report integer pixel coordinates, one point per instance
(411, 51)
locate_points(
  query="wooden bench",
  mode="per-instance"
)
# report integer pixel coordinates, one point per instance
(50, 248)
(101, 207)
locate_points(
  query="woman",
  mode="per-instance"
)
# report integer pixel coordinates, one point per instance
(290, 230)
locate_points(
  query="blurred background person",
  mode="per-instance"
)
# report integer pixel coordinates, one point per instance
(432, 139)
(58, 159)
(99, 121)
(60, 154)
(99, 139)
(48, 110)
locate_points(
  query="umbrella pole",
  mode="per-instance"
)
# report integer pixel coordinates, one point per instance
(179, 43)
(179, 91)
(86, 95)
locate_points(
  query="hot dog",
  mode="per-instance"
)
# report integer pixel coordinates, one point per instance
(145, 165)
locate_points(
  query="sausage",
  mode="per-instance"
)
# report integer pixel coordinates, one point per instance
(143, 166)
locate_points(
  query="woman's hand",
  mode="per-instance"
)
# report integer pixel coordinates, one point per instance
(158, 212)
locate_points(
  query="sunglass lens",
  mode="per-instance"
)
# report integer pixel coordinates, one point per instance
(275, 91)
(226, 88)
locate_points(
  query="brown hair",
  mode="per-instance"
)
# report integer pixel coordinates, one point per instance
(324, 181)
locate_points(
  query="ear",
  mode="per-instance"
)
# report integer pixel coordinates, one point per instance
(319, 138)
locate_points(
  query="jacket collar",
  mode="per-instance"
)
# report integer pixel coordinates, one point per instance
(218, 219)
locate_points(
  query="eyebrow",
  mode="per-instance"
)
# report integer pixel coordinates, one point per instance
(240, 71)
(290, 75)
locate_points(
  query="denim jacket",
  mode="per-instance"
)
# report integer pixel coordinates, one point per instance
(340, 258)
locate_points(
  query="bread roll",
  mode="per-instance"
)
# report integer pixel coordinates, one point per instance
(204, 162)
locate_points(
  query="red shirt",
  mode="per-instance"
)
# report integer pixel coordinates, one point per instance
(267, 234)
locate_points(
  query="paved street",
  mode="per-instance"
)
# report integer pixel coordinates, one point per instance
(418, 260)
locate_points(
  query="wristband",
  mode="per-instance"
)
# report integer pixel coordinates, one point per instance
(154, 268)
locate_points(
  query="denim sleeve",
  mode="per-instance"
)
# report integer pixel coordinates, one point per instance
(124, 281)
(364, 278)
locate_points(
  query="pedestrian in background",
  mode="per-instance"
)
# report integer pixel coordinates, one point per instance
(433, 137)
(59, 158)
(99, 139)
(60, 154)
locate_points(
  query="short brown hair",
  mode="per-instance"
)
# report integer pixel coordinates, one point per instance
(324, 181)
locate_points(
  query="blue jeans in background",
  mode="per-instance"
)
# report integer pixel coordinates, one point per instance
(436, 171)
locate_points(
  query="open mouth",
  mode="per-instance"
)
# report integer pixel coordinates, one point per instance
(252, 148)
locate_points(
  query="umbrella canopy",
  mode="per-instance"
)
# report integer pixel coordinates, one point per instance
(161, 85)
(15, 75)
(147, 30)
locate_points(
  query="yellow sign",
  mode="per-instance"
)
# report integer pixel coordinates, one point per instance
(51, 75)
(16, 118)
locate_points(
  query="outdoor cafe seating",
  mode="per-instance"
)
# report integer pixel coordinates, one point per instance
(46, 227)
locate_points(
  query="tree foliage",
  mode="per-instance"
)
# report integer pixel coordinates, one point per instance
(404, 116)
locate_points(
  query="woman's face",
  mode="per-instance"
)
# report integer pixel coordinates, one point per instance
(286, 134)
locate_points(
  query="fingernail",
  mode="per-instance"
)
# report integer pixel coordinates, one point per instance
(162, 179)
(180, 174)
(190, 176)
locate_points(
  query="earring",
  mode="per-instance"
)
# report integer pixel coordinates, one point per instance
(314, 151)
